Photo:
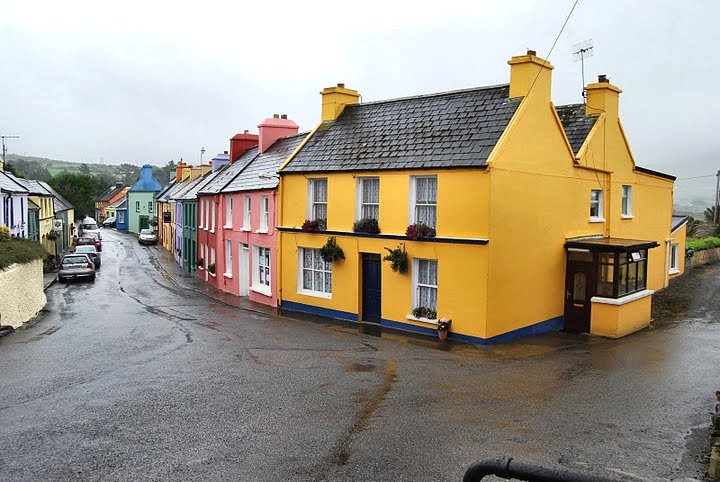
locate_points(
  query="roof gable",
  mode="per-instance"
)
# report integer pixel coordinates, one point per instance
(576, 124)
(452, 129)
(11, 184)
(146, 182)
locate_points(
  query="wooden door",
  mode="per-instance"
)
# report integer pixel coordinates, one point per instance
(371, 288)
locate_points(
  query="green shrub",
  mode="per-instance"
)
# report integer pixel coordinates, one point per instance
(703, 243)
(4, 234)
(18, 250)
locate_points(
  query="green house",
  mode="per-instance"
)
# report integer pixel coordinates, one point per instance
(141, 206)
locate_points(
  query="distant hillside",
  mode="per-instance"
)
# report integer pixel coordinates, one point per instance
(42, 169)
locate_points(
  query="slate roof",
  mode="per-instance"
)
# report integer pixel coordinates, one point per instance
(451, 129)
(162, 196)
(34, 187)
(677, 222)
(228, 172)
(116, 204)
(175, 190)
(111, 191)
(122, 205)
(11, 184)
(59, 202)
(576, 124)
(198, 184)
(265, 165)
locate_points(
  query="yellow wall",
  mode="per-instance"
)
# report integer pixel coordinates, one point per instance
(615, 321)
(679, 237)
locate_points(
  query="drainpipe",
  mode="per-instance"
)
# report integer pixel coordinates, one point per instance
(278, 242)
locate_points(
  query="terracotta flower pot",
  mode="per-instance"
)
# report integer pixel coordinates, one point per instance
(442, 334)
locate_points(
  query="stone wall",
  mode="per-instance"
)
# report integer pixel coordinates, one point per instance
(706, 256)
(21, 292)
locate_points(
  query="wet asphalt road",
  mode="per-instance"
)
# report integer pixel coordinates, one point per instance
(135, 378)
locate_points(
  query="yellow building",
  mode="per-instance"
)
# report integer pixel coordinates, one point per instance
(541, 220)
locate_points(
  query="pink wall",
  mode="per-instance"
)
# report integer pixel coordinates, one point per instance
(236, 234)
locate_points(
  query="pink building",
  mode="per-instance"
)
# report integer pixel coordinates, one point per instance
(237, 214)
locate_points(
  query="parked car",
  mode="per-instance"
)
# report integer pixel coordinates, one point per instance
(89, 226)
(147, 236)
(109, 222)
(91, 251)
(91, 239)
(76, 266)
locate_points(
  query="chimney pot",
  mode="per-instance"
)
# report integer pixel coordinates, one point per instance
(531, 52)
(246, 131)
(603, 78)
(276, 116)
(283, 116)
(225, 152)
(341, 85)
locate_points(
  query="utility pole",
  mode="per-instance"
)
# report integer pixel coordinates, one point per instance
(4, 149)
(717, 198)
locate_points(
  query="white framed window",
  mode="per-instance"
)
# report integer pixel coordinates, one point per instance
(627, 201)
(228, 212)
(203, 257)
(368, 198)
(425, 283)
(317, 198)
(261, 270)
(264, 214)
(212, 216)
(596, 205)
(137, 206)
(202, 213)
(314, 273)
(150, 206)
(207, 215)
(247, 213)
(423, 200)
(228, 259)
(212, 259)
(674, 258)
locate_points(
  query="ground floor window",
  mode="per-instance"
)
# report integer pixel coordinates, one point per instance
(261, 273)
(228, 258)
(674, 259)
(315, 274)
(621, 274)
(425, 288)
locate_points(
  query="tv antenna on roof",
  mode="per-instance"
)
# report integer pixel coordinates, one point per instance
(4, 149)
(581, 51)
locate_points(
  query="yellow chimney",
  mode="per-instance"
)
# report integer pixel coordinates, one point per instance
(334, 100)
(205, 168)
(530, 72)
(603, 97)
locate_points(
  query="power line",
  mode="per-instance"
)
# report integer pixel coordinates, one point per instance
(696, 177)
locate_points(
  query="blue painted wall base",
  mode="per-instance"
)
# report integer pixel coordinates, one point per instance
(547, 326)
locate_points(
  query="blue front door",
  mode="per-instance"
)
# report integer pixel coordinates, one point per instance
(371, 288)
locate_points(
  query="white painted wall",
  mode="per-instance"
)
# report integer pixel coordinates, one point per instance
(14, 213)
(21, 286)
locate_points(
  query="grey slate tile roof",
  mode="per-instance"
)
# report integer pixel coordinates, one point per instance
(451, 129)
(112, 191)
(173, 189)
(228, 172)
(118, 203)
(677, 222)
(11, 184)
(34, 187)
(265, 165)
(59, 202)
(198, 184)
(576, 124)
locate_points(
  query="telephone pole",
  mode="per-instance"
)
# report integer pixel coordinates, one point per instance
(717, 198)
(4, 149)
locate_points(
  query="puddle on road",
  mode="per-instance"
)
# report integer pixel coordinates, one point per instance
(42, 334)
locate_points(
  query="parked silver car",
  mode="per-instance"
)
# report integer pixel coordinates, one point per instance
(91, 251)
(147, 236)
(76, 266)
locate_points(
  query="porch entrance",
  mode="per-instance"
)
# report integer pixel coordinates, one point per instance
(579, 288)
(371, 288)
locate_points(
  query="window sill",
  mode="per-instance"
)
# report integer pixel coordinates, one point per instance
(422, 320)
(212, 231)
(212, 274)
(228, 226)
(227, 275)
(674, 271)
(627, 216)
(262, 289)
(261, 231)
(200, 268)
(597, 220)
(315, 294)
(245, 229)
(622, 300)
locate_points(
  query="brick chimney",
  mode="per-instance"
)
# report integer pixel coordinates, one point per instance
(530, 72)
(603, 97)
(274, 128)
(334, 100)
(181, 171)
(240, 144)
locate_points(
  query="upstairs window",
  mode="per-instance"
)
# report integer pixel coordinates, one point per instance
(246, 214)
(228, 212)
(137, 206)
(317, 199)
(369, 198)
(627, 201)
(212, 216)
(424, 200)
(596, 205)
(150, 209)
(264, 213)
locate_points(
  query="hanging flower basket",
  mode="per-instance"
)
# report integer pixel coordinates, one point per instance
(398, 258)
(367, 225)
(331, 252)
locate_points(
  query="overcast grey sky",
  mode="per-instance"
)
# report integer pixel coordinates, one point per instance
(147, 81)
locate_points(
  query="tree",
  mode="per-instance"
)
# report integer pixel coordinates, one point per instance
(102, 182)
(78, 189)
(84, 168)
(11, 169)
(128, 173)
(710, 214)
(30, 169)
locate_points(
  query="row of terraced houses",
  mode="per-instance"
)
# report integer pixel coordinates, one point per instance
(489, 206)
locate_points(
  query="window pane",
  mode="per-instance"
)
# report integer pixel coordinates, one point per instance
(307, 279)
(328, 282)
(622, 287)
(423, 271)
(579, 283)
(605, 279)
(307, 258)
(432, 272)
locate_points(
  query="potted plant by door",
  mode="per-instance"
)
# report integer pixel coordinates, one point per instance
(443, 326)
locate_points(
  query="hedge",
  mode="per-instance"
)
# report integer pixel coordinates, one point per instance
(703, 243)
(18, 250)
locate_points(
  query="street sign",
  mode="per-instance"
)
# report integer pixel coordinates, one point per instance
(57, 225)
